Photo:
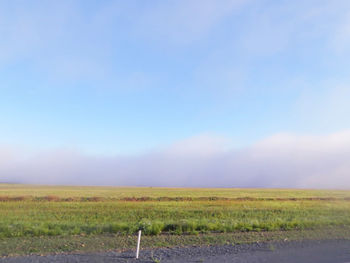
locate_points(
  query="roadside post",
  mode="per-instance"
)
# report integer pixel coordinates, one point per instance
(138, 245)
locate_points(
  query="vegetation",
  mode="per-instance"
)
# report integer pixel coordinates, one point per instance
(31, 218)
(72, 213)
(16, 190)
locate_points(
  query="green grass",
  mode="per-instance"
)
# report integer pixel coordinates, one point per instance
(90, 212)
(29, 218)
(155, 192)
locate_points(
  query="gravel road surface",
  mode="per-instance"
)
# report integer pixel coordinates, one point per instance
(331, 251)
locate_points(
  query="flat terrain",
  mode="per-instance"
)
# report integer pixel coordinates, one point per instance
(155, 192)
(48, 219)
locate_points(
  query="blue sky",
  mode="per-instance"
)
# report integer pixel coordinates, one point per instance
(131, 78)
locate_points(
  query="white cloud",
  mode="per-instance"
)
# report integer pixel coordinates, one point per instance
(282, 160)
(28, 29)
(55, 40)
(326, 107)
(340, 40)
(201, 145)
(183, 22)
(66, 41)
(294, 25)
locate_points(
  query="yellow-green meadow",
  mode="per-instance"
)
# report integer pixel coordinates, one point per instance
(68, 211)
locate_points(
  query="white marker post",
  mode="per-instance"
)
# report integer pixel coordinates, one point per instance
(138, 245)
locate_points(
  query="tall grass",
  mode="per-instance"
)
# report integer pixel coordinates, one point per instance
(13, 190)
(47, 218)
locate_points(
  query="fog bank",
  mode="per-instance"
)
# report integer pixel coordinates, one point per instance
(282, 160)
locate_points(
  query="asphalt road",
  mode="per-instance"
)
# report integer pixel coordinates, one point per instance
(331, 251)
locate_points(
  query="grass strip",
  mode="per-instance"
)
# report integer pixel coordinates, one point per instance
(55, 198)
(99, 243)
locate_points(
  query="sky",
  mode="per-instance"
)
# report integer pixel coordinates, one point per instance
(197, 93)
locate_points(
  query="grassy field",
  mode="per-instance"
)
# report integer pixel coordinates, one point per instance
(155, 192)
(74, 213)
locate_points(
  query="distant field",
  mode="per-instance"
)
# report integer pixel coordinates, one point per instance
(155, 192)
(34, 211)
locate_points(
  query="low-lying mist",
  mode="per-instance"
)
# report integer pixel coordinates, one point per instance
(282, 160)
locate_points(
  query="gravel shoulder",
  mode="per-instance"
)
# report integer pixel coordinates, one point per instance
(326, 251)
